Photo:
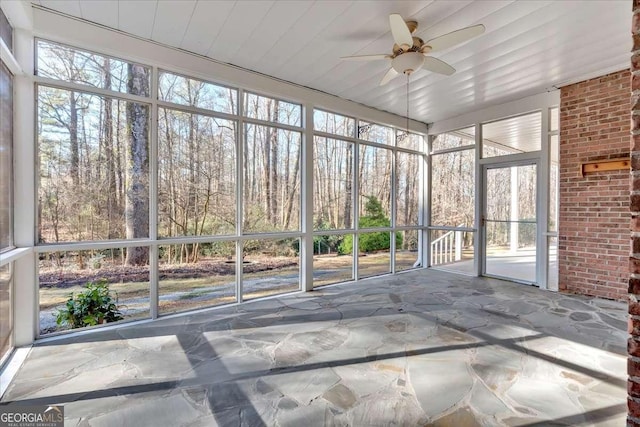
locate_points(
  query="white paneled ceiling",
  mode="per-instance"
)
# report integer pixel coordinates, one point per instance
(516, 134)
(529, 46)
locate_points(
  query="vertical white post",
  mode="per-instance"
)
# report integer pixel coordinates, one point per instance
(479, 235)
(24, 192)
(154, 275)
(515, 211)
(542, 205)
(446, 248)
(306, 245)
(394, 206)
(425, 203)
(355, 185)
(458, 245)
(240, 135)
(423, 209)
(431, 258)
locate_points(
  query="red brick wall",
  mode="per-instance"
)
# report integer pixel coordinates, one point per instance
(593, 245)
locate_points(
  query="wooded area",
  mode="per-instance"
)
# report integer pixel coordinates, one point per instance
(95, 166)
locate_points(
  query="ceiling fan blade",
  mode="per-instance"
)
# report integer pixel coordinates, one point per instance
(400, 31)
(437, 66)
(455, 37)
(391, 74)
(365, 57)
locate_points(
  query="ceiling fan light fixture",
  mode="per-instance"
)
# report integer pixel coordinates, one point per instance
(408, 62)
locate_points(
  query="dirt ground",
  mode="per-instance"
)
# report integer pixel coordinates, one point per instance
(116, 273)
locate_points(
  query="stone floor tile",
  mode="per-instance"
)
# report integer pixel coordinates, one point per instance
(420, 348)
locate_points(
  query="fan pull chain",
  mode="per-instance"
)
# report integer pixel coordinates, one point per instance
(407, 106)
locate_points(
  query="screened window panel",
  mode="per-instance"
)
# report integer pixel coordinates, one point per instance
(60, 62)
(373, 132)
(454, 139)
(324, 121)
(375, 187)
(272, 177)
(66, 273)
(6, 158)
(272, 110)
(407, 188)
(6, 31)
(6, 309)
(196, 275)
(196, 174)
(409, 141)
(196, 93)
(333, 184)
(93, 167)
(453, 188)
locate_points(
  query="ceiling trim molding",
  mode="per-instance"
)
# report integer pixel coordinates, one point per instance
(595, 74)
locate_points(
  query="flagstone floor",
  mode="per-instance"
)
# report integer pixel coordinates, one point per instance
(419, 348)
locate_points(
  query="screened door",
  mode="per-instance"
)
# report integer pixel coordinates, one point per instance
(509, 222)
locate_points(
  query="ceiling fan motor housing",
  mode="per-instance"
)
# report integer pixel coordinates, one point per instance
(408, 62)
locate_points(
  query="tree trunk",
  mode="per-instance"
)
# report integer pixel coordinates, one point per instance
(349, 187)
(112, 203)
(118, 165)
(137, 201)
(274, 177)
(73, 139)
(292, 192)
(266, 176)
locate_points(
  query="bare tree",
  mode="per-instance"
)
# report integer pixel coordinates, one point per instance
(137, 200)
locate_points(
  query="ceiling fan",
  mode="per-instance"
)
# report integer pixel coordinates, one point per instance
(411, 53)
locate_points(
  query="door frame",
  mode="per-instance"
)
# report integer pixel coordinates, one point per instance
(505, 162)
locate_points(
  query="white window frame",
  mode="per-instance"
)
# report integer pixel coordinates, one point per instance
(305, 232)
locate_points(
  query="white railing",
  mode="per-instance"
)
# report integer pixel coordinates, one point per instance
(447, 248)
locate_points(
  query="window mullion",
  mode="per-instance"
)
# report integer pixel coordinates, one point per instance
(89, 90)
(154, 273)
(241, 134)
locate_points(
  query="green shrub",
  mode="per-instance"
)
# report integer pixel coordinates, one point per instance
(371, 242)
(91, 307)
